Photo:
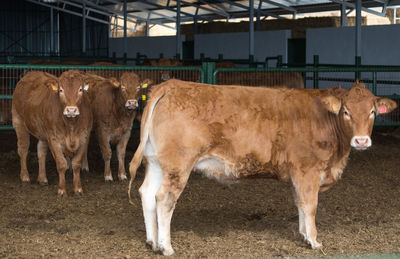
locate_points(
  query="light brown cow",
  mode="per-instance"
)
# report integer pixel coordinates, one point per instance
(57, 112)
(114, 105)
(231, 133)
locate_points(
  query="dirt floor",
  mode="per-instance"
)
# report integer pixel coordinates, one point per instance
(360, 215)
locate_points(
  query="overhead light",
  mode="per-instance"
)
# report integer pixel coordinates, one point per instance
(50, 1)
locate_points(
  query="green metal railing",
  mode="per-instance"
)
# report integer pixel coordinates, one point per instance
(382, 81)
(11, 74)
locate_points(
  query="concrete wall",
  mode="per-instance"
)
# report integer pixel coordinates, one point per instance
(149, 46)
(236, 45)
(380, 45)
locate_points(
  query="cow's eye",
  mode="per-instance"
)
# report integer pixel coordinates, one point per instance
(61, 90)
(80, 89)
(346, 113)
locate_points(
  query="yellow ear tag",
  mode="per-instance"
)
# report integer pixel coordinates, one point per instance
(144, 85)
(143, 97)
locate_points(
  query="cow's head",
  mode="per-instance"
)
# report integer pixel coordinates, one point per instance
(129, 87)
(358, 110)
(70, 88)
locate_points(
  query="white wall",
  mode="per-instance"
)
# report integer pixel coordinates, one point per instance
(236, 45)
(149, 46)
(379, 45)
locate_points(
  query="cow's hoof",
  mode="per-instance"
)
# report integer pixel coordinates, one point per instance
(122, 177)
(25, 179)
(43, 183)
(85, 169)
(78, 192)
(108, 178)
(316, 245)
(152, 245)
(167, 252)
(62, 193)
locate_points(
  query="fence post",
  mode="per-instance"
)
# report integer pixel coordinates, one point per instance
(374, 86)
(279, 61)
(125, 58)
(358, 64)
(316, 64)
(209, 68)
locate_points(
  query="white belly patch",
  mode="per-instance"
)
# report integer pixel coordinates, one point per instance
(213, 168)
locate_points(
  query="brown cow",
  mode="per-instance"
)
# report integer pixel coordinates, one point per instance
(57, 112)
(114, 107)
(231, 133)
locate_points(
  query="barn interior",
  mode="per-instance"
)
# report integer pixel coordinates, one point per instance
(235, 42)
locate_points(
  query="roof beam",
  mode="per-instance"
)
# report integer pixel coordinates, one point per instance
(382, 14)
(247, 8)
(279, 5)
(121, 14)
(220, 12)
(68, 11)
(173, 10)
(144, 10)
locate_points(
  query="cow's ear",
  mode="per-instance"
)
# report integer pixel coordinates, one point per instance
(331, 103)
(384, 105)
(114, 81)
(146, 82)
(53, 85)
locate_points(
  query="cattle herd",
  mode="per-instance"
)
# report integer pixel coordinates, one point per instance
(300, 136)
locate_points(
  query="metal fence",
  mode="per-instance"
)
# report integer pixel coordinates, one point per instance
(11, 74)
(382, 81)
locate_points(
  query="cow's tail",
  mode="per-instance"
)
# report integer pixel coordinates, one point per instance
(145, 126)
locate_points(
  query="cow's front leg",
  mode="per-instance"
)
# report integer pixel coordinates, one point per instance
(76, 167)
(42, 148)
(306, 187)
(61, 164)
(104, 142)
(121, 150)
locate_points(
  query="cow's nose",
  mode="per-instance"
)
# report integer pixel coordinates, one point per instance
(131, 104)
(71, 111)
(361, 142)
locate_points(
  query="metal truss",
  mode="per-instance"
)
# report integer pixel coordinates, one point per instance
(352, 6)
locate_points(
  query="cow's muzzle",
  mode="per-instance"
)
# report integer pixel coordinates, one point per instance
(71, 111)
(361, 142)
(131, 104)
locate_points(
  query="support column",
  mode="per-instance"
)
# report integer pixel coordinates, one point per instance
(343, 14)
(125, 44)
(251, 29)
(51, 31)
(358, 28)
(84, 28)
(178, 29)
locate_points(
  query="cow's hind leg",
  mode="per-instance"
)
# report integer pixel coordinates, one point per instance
(42, 148)
(306, 188)
(148, 190)
(172, 185)
(23, 145)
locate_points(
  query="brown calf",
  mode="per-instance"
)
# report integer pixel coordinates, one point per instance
(57, 112)
(232, 133)
(114, 106)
